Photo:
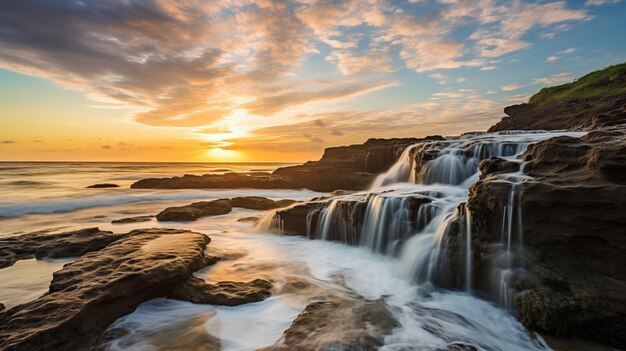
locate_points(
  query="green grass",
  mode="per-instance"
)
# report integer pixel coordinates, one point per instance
(605, 82)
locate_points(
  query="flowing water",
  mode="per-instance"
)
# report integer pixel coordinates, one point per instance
(396, 259)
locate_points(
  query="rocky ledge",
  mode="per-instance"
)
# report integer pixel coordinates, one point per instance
(201, 209)
(358, 165)
(573, 231)
(91, 292)
(58, 245)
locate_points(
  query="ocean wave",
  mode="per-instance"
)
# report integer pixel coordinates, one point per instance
(8, 209)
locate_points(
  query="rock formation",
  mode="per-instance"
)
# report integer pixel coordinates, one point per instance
(195, 210)
(338, 324)
(359, 165)
(201, 209)
(91, 292)
(58, 245)
(574, 233)
(135, 219)
(103, 185)
(594, 101)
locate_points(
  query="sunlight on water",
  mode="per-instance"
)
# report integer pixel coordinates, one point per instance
(26, 280)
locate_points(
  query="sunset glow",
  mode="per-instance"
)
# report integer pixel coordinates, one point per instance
(277, 81)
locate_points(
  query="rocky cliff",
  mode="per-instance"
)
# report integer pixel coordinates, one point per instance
(593, 101)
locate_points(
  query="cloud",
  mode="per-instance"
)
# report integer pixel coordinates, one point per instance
(374, 61)
(438, 76)
(600, 2)
(518, 20)
(7, 142)
(513, 87)
(106, 147)
(554, 79)
(448, 113)
(559, 54)
(269, 105)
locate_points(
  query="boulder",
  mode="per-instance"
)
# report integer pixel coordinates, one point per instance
(338, 324)
(97, 288)
(259, 203)
(195, 210)
(225, 293)
(54, 245)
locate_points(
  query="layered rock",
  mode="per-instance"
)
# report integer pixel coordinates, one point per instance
(91, 292)
(222, 293)
(58, 245)
(259, 203)
(597, 100)
(344, 217)
(575, 114)
(573, 230)
(338, 324)
(201, 209)
(359, 165)
(195, 211)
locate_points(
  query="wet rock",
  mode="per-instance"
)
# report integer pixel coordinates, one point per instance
(459, 346)
(136, 219)
(103, 185)
(259, 203)
(338, 324)
(573, 230)
(293, 220)
(195, 210)
(97, 288)
(54, 245)
(248, 219)
(225, 293)
(2, 307)
(358, 165)
(497, 165)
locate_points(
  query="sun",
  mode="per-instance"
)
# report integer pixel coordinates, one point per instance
(219, 154)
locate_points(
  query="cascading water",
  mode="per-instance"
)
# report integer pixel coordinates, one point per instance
(416, 210)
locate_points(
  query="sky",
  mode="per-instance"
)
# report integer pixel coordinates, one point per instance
(278, 81)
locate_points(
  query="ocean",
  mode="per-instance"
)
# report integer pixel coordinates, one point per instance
(53, 197)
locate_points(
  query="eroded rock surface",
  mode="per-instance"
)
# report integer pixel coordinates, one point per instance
(574, 232)
(338, 324)
(97, 288)
(195, 210)
(224, 293)
(53, 245)
(259, 203)
(201, 209)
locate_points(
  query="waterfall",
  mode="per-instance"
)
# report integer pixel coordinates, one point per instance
(401, 171)
(511, 255)
(468, 250)
(416, 211)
